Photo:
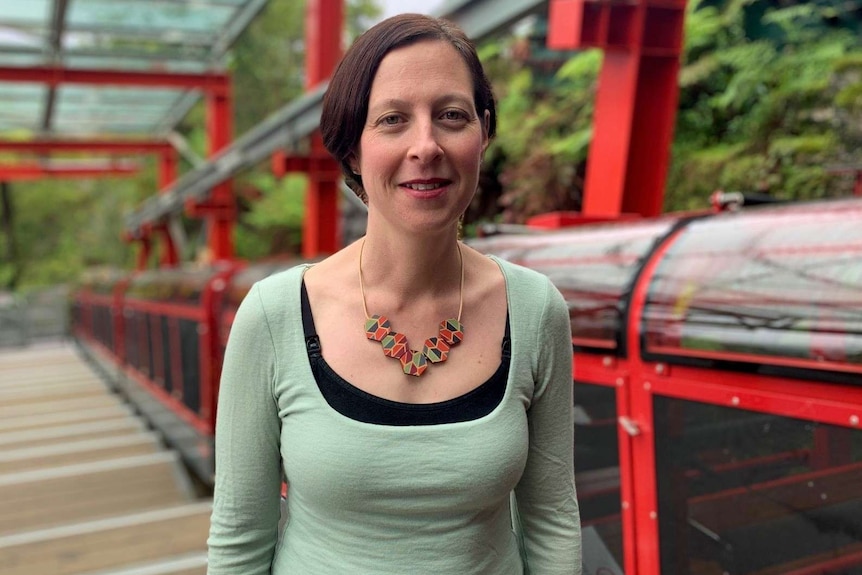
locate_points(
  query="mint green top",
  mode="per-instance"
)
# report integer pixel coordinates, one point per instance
(368, 499)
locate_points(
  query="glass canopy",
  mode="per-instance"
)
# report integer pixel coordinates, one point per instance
(158, 36)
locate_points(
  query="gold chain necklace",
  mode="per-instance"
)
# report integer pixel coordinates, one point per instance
(435, 350)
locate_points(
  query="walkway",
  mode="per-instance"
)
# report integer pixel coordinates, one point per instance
(85, 487)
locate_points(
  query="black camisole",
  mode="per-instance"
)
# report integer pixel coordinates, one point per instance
(352, 402)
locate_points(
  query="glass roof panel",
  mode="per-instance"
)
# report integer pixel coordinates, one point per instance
(165, 36)
(28, 13)
(137, 64)
(20, 60)
(21, 105)
(24, 24)
(147, 17)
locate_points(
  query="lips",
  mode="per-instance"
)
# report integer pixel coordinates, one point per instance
(426, 189)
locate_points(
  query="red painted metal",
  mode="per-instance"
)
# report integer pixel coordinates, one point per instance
(823, 364)
(320, 234)
(558, 220)
(211, 355)
(190, 311)
(638, 388)
(102, 146)
(168, 161)
(211, 82)
(220, 209)
(324, 26)
(175, 405)
(320, 227)
(787, 397)
(144, 247)
(637, 96)
(167, 175)
(29, 171)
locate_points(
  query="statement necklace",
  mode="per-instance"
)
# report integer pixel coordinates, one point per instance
(435, 350)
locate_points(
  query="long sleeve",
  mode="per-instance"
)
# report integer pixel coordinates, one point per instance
(244, 524)
(545, 496)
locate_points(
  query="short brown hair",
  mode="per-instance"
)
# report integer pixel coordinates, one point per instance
(345, 104)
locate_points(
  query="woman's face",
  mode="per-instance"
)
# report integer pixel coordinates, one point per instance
(423, 140)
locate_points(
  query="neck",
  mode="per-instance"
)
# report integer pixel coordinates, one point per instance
(406, 268)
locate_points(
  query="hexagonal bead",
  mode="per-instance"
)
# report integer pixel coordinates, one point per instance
(413, 363)
(435, 349)
(377, 327)
(451, 331)
(394, 345)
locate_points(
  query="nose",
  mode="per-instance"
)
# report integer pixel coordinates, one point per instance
(425, 145)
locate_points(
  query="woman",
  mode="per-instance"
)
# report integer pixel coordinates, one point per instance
(415, 393)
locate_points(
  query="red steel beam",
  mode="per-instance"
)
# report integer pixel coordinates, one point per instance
(102, 146)
(213, 82)
(36, 171)
(636, 100)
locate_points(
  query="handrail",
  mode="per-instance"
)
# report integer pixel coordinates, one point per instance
(288, 126)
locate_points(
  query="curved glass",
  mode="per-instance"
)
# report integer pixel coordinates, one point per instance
(175, 285)
(242, 281)
(777, 286)
(593, 267)
(101, 280)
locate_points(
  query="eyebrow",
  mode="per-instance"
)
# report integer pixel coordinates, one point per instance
(398, 103)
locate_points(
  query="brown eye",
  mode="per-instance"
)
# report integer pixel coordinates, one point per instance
(454, 115)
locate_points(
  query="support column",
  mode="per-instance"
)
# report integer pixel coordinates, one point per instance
(324, 27)
(221, 211)
(167, 175)
(637, 96)
(143, 253)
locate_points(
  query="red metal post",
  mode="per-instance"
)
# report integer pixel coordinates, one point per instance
(143, 253)
(220, 209)
(167, 175)
(323, 25)
(103, 146)
(637, 96)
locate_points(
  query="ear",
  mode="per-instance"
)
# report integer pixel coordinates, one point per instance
(353, 162)
(485, 127)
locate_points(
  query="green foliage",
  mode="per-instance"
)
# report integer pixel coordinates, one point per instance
(543, 133)
(273, 224)
(61, 228)
(766, 106)
(770, 96)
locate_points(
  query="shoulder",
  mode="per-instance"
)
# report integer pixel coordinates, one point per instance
(525, 283)
(280, 288)
(270, 298)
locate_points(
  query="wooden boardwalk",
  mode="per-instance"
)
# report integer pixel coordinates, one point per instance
(85, 487)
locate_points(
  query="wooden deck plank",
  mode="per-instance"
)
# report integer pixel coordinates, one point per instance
(72, 432)
(73, 452)
(43, 497)
(54, 419)
(59, 406)
(190, 564)
(117, 543)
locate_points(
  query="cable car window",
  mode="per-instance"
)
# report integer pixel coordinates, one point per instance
(747, 493)
(779, 287)
(597, 478)
(594, 268)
